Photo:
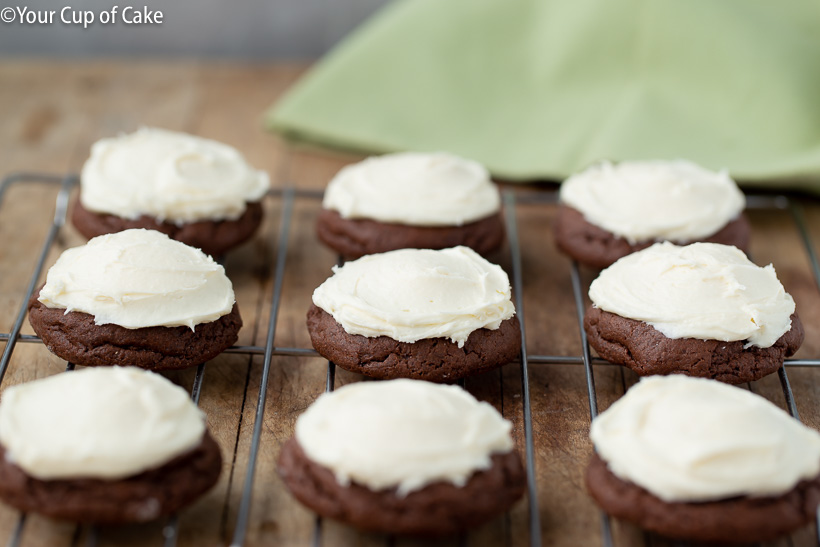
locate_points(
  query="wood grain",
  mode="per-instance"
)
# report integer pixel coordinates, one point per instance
(52, 112)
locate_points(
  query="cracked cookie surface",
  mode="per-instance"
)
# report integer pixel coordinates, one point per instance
(436, 509)
(431, 359)
(645, 350)
(353, 238)
(138, 498)
(736, 520)
(75, 337)
(213, 237)
(599, 248)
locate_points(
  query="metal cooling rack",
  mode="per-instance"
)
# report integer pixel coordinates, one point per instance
(288, 197)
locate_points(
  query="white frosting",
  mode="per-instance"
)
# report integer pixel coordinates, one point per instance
(703, 290)
(171, 176)
(402, 433)
(413, 294)
(646, 200)
(691, 439)
(139, 278)
(108, 423)
(412, 188)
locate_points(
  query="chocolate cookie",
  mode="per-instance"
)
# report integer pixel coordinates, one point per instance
(736, 520)
(593, 246)
(436, 509)
(143, 497)
(646, 351)
(214, 237)
(353, 238)
(431, 359)
(73, 336)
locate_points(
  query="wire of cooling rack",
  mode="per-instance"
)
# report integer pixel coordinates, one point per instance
(59, 219)
(518, 286)
(606, 530)
(330, 385)
(281, 255)
(270, 350)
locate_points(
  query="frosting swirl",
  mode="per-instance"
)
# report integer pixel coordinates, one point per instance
(139, 278)
(702, 290)
(646, 200)
(170, 176)
(413, 294)
(412, 188)
(402, 433)
(107, 423)
(691, 439)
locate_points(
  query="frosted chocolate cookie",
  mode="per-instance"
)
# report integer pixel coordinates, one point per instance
(610, 211)
(136, 298)
(403, 457)
(695, 459)
(703, 310)
(110, 445)
(411, 200)
(197, 191)
(416, 313)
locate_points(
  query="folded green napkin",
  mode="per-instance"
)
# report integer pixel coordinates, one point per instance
(539, 89)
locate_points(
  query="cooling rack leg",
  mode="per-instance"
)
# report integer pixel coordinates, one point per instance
(330, 382)
(817, 525)
(196, 390)
(787, 393)
(17, 534)
(170, 531)
(317, 532)
(606, 530)
(93, 539)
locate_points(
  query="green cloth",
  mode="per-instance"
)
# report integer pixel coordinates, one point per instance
(539, 89)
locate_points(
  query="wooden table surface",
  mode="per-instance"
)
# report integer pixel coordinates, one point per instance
(50, 114)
